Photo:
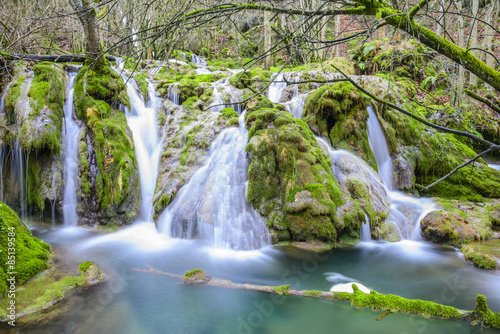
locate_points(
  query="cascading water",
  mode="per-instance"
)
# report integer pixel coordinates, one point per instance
(380, 149)
(173, 94)
(406, 211)
(276, 88)
(142, 121)
(71, 134)
(365, 234)
(212, 206)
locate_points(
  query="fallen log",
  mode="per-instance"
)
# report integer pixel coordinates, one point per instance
(51, 58)
(481, 315)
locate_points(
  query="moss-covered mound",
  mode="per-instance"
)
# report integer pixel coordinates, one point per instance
(339, 112)
(110, 186)
(290, 180)
(20, 251)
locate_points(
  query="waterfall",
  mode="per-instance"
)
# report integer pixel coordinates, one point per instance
(212, 206)
(201, 63)
(276, 88)
(142, 121)
(71, 134)
(495, 166)
(380, 149)
(173, 94)
(406, 211)
(365, 234)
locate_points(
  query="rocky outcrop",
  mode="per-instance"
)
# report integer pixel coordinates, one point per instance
(109, 174)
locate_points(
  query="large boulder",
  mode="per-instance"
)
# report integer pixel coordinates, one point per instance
(448, 228)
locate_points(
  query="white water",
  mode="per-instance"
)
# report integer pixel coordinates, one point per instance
(173, 94)
(212, 206)
(142, 121)
(365, 234)
(406, 211)
(495, 166)
(221, 89)
(275, 89)
(71, 134)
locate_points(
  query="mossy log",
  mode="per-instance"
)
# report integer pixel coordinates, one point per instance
(50, 58)
(481, 315)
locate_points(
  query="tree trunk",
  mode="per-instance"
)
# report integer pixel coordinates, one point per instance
(267, 39)
(473, 36)
(491, 14)
(87, 16)
(338, 21)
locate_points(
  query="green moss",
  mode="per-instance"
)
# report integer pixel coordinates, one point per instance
(339, 112)
(56, 292)
(484, 315)
(282, 290)
(31, 254)
(12, 96)
(290, 180)
(84, 266)
(395, 303)
(312, 293)
(97, 95)
(480, 259)
(193, 273)
(141, 79)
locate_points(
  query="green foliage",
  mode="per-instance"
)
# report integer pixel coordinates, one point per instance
(31, 254)
(484, 315)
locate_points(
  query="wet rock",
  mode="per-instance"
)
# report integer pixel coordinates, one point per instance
(448, 228)
(404, 176)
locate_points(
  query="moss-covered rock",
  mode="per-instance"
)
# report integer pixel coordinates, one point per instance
(21, 253)
(444, 227)
(480, 259)
(338, 111)
(290, 180)
(109, 174)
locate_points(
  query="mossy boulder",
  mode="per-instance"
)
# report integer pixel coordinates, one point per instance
(479, 258)
(444, 227)
(20, 251)
(290, 180)
(109, 174)
(338, 112)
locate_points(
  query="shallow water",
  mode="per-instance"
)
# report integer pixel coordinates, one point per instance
(135, 302)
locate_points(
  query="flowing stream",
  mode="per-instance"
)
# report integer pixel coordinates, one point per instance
(212, 206)
(71, 133)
